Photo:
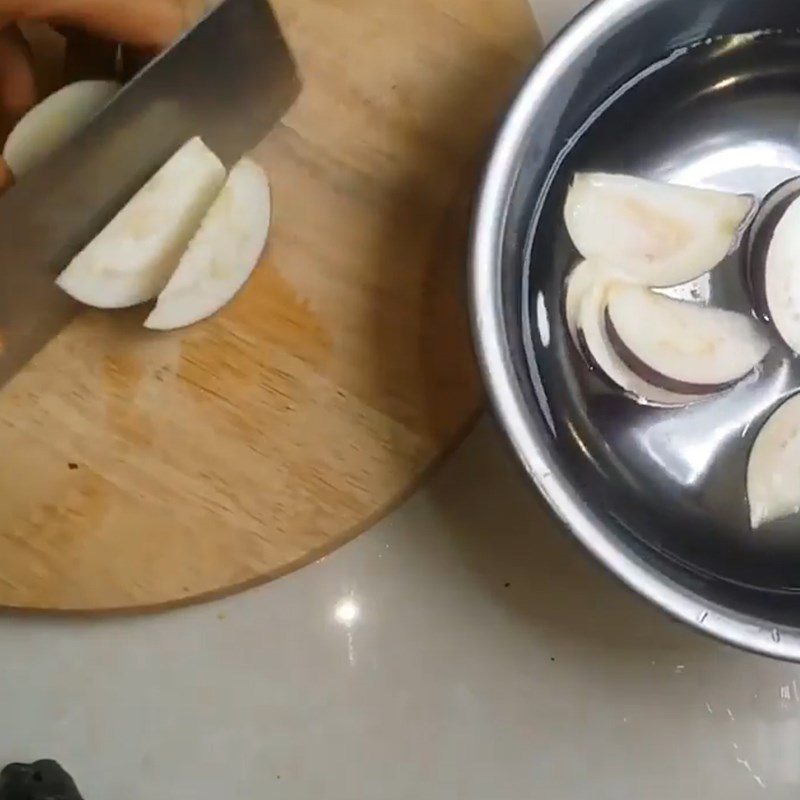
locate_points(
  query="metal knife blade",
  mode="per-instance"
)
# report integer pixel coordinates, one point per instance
(228, 80)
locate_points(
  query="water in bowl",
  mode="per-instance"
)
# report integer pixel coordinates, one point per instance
(724, 114)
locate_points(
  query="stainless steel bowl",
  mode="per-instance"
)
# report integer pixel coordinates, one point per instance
(704, 92)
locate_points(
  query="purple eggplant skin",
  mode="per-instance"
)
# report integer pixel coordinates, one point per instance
(41, 780)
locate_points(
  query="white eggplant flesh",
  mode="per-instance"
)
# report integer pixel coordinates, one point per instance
(222, 255)
(773, 471)
(660, 234)
(682, 347)
(132, 259)
(54, 121)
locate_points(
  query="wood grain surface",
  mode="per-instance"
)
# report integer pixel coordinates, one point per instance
(143, 470)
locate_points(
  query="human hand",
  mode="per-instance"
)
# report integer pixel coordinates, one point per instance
(147, 24)
(94, 25)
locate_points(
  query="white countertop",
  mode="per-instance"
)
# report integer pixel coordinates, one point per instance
(454, 653)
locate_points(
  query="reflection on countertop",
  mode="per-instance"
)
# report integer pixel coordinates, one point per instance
(464, 649)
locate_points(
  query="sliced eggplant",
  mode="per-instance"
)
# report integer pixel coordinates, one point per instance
(759, 240)
(55, 121)
(594, 342)
(132, 259)
(660, 235)
(773, 472)
(679, 346)
(223, 253)
(781, 278)
(582, 279)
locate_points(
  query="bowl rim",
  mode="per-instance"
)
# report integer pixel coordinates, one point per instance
(528, 434)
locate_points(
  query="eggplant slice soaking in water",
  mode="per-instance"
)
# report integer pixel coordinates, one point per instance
(773, 472)
(679, 346)
(635, 235)
(594, 341)
(779, 282)
(586, 276)
(657, 234)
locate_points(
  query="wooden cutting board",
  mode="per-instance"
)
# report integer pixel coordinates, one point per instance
(143, 470)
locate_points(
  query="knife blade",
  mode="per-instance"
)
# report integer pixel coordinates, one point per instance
(228, 80)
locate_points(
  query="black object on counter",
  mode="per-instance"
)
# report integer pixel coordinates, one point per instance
(42, 780)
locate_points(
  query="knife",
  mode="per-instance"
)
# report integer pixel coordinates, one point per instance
(228, 80)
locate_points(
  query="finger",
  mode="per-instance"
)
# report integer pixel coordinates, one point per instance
(47, 54)
(138, 22)
(6, 177)
(17, 77)
(88, 57)
(135, 59)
